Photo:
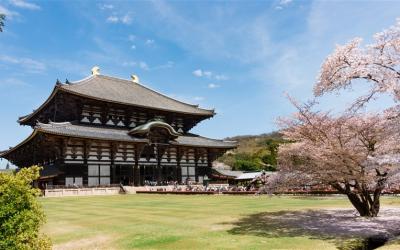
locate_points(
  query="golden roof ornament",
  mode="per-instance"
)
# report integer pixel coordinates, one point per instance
(95, 70)
(135, 78)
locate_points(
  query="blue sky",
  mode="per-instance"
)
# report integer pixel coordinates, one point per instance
(238, 57)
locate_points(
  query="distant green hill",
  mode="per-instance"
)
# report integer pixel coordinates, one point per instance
(255, 152)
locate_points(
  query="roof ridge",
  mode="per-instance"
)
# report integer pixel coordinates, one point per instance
(153, 90)
(82, 81)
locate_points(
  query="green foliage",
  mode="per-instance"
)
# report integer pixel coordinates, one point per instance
(2, 19)
(245, 162)
(20, 213)
(255, 153)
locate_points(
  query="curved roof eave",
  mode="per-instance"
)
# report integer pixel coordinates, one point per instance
(26, 118)
(37, 130)
(6, 152)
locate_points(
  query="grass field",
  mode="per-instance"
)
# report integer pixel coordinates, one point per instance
(184, 222)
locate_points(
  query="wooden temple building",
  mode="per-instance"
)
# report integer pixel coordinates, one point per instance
(104, 130)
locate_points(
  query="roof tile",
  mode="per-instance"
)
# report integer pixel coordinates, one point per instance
(128, 92)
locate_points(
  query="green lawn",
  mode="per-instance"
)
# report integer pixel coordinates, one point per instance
(181, 222)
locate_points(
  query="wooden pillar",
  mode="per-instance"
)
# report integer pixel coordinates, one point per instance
(85, 152)
(136, 174)
(158, 168)
(160, 150)
(196, 159)
(138, 170)
(209, 162)
(142, 169)
(176, 178)
(114, 173)
(113, 153)
(179, 154)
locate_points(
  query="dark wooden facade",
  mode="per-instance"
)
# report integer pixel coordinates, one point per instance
(91, 140)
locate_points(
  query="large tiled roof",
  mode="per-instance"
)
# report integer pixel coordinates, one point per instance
(68, 129)
(121, 91)
(128, 92)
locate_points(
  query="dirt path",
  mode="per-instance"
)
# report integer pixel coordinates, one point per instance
(96, 242)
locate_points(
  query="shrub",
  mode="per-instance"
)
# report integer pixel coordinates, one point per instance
(20, 213)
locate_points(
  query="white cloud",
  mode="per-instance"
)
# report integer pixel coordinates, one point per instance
(9, 13)
(149, 42)
(133, 46)
(106, 6)
(11, 81)
(201, 73)
(32, 66)
(71, 66)
(283, 4)
(198, 98)
(112, 19)
(167, 65)
(221, 77)
(246, 40)
(209, 74)
(25, 5)
(213, 86)
(142, 65)
(129, 64)
(186, 98)
(198, 73)
(125, 19)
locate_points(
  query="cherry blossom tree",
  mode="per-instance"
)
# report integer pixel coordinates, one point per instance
(377, 63)
(354, 153)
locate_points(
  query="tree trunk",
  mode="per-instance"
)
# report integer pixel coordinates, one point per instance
(363, 207)
(366, 205)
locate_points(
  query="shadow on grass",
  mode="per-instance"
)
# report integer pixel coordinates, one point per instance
(342, 227)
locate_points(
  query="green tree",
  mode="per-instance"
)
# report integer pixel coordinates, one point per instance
(255, 153)
(2, 19)
(245, 165)
(21, 216)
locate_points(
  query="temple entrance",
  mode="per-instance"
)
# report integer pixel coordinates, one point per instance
(169, 174)
(148, 174)
(122, 174)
